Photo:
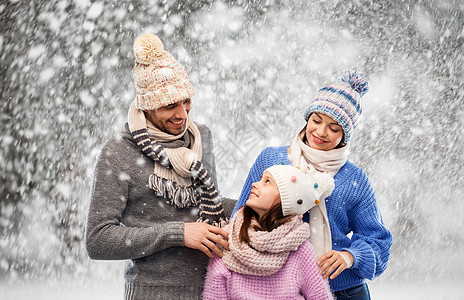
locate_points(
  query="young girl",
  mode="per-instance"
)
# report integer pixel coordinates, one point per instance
(270, 256)
(352, 208)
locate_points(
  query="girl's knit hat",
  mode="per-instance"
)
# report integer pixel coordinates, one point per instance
(341, 101)
(160, 79)
(299, 191)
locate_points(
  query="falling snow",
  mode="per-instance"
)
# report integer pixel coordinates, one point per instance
(66, 86)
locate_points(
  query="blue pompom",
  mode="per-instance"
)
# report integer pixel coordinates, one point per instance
(357, 80)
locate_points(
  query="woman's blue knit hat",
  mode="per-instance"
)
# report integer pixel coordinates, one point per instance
(341, 101)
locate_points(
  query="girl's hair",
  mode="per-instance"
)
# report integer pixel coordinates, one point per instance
(272, 219)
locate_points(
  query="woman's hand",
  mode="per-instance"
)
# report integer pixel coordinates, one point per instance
(334, 261)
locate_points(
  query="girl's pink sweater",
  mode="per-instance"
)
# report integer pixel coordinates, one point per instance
(298, 278)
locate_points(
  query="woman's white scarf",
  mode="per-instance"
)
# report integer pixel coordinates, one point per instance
(178, 173)
(310, 160)
(267, 251)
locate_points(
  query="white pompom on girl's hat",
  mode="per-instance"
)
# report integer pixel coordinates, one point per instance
(341, 101)
(299, 191)
(160, 80)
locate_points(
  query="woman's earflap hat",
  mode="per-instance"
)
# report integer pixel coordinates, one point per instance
(160, 80)
(341, 101)
(299, 191)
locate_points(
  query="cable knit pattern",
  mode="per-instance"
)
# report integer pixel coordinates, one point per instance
(298, 278)
(351, 207)
(267, 251)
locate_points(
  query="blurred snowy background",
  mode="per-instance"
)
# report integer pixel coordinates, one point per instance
(66, 84)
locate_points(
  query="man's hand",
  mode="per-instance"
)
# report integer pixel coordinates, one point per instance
(204, 237)
(334, 261)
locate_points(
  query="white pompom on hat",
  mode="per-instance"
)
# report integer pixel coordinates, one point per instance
(299, 192)
(160, 80)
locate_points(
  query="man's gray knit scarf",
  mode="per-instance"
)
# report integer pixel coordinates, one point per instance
(202, 191)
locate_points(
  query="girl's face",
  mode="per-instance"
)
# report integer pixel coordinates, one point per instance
(322, 132)
(263, 194)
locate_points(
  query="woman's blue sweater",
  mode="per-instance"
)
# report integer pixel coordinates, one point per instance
(352, 210)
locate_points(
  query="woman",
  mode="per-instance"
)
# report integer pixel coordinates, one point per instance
(323, 145)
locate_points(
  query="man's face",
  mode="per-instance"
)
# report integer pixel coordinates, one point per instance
(172, 118)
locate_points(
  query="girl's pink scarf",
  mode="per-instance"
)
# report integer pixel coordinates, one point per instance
(267, 251)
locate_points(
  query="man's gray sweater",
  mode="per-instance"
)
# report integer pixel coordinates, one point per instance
(127, 221)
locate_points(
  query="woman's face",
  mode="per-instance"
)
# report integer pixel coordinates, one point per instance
(322, 132)
(263, 194)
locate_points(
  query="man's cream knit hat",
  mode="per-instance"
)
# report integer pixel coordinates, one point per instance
(160, 80)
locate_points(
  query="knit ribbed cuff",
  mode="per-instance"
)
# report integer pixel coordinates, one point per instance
(352, 254)
(175, 234)
(348, 260)
(142, 292)
(364, 259)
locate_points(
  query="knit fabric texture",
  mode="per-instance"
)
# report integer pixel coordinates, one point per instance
(267, 251)
(298, 278)
(341, 101)
(127, 221)
(352, 207)
(299, 191)
(202, 190)
(160, 80)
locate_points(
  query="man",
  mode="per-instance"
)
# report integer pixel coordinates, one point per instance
(154, 197)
